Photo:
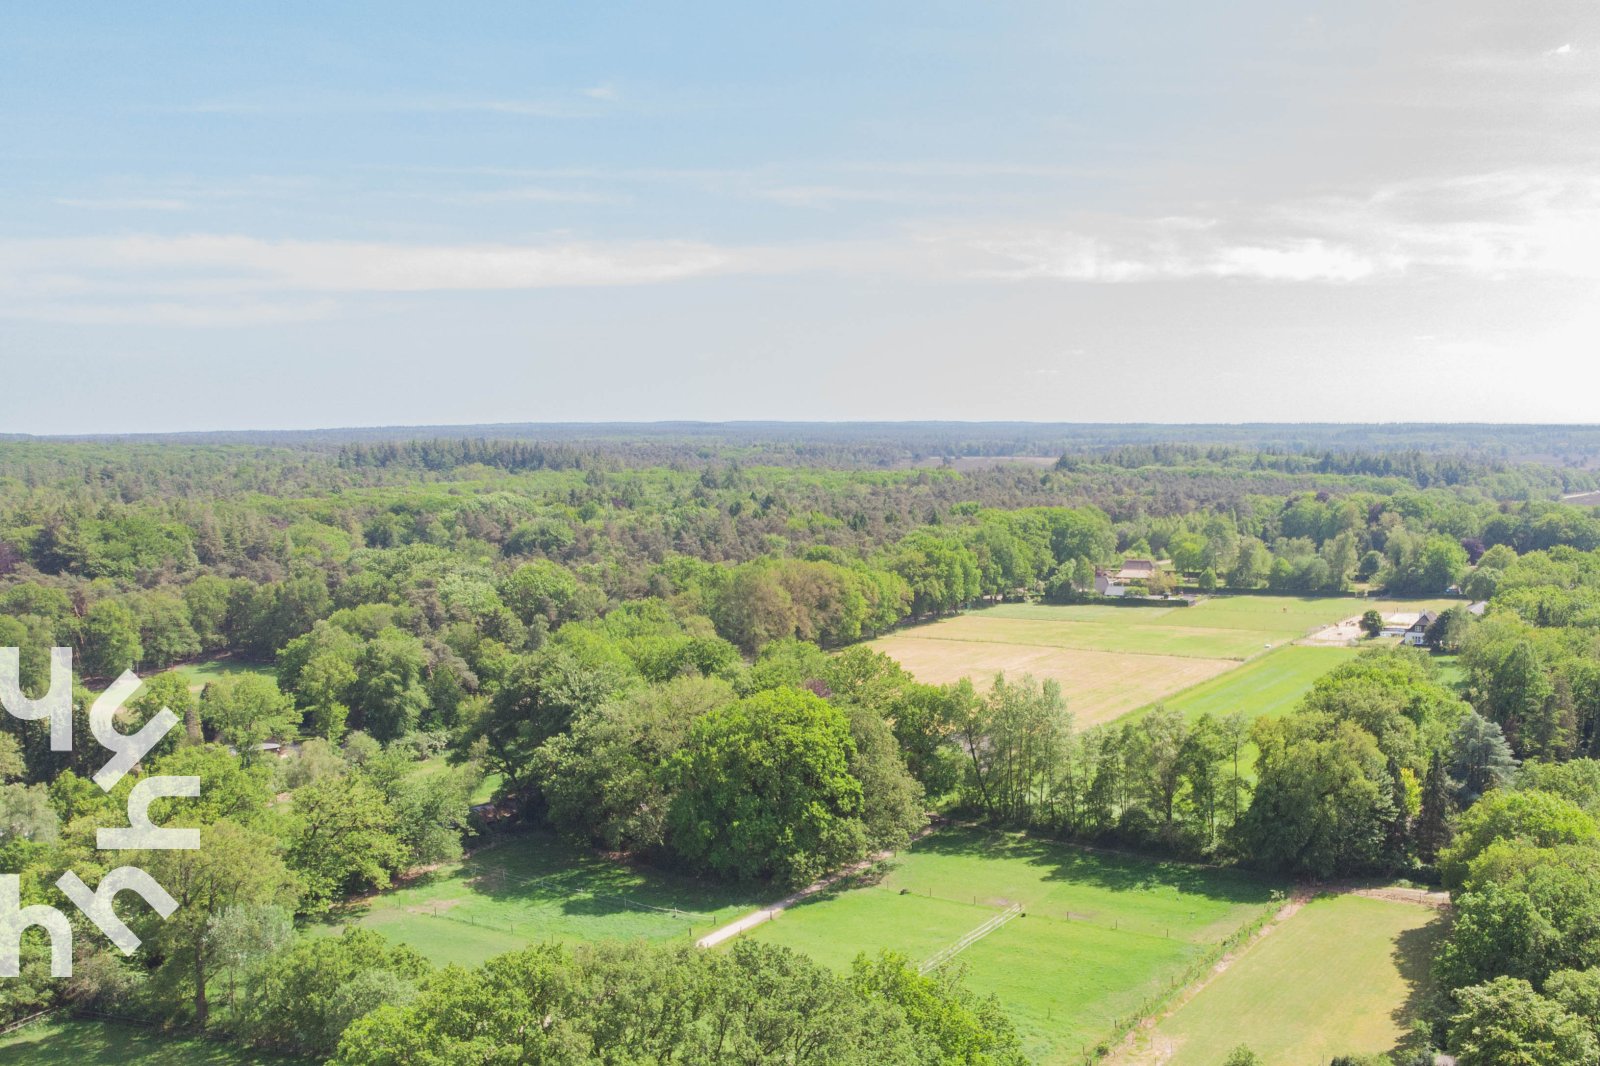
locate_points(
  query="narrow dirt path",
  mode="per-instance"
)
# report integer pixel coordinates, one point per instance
(766, 914)
(1142, 1047)
(1130, 1051)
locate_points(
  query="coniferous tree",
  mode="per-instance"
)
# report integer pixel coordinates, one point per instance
(1398, 831)
(1432, 831)
(1480, 758)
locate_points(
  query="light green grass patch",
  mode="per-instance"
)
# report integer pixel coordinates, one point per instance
(202, 673)
(435, 765)
(1102, 934)
(1192, 641)
(1346, 975)
(1268, 686)
(97, 1043)
(536, 888)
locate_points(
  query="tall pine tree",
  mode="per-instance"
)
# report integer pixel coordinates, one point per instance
(1432, 831)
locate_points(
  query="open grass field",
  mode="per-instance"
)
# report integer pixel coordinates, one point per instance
(97, 1043)
(1114, 635)
(535, 888)
(199, 674)
(1101, 934)
(1112, 660)
(1099, 685)
(1263, 687)
(1345, 975)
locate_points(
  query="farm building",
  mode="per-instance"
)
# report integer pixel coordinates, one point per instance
(1116, 582)
(1416, 633)
(1397, 625)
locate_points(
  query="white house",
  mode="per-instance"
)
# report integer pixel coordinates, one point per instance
(1416, 634)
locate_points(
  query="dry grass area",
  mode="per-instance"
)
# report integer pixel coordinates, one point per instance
(1099, 685)
(1345, 975)
(1112, 659)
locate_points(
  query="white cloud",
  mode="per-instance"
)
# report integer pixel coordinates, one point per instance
(827, 196)
(171, 313)
(207, 280)
(1485, 226)
(1527, 224)
(238, 264)
(534, 194)
(584, 103)
(1563, 50)
(132, 203)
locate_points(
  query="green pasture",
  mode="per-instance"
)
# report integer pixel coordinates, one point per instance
(534, 888)
(1345, 975)
(98, 1043)
(1235, 627)
(1174, 634)
(199, 674)
(1082, 612)
(1264, 687)
(1101, 935)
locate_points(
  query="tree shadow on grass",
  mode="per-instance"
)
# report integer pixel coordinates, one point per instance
(101, 1043)
(1414, 950)
(541, 867)
(1110, 870)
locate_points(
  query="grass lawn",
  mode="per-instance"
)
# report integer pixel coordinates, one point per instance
(1270, 685)
(1451, 672)
(201, 673)
(535, 887)
(1343, 976)
(1101, 933)
(1113, 635)
(97, 1043)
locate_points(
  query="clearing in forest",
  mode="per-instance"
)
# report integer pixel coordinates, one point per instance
(534, 888)
(1345, 975)
(1111, 660)
(201, 673)
(1101, 935)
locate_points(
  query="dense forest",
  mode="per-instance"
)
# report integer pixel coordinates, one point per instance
(649, 642)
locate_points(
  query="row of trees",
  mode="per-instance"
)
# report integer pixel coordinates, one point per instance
(636, 1002)
(358, 816)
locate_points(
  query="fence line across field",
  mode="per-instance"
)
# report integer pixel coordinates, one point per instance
(1157, 930)
(499, 875)
(945, 954)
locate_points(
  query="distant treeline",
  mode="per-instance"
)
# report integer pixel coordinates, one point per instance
(898, 441)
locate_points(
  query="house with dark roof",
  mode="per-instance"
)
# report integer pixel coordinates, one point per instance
(1416, 634)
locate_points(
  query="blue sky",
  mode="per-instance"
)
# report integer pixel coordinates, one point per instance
(297, 215)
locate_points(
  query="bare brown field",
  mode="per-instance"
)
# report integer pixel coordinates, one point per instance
(1099, 685)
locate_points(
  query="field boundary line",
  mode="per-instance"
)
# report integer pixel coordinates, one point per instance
(1125, 1052)
(971, 937)
(20, 1023)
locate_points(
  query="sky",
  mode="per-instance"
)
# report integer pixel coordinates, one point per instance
(230, 216)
